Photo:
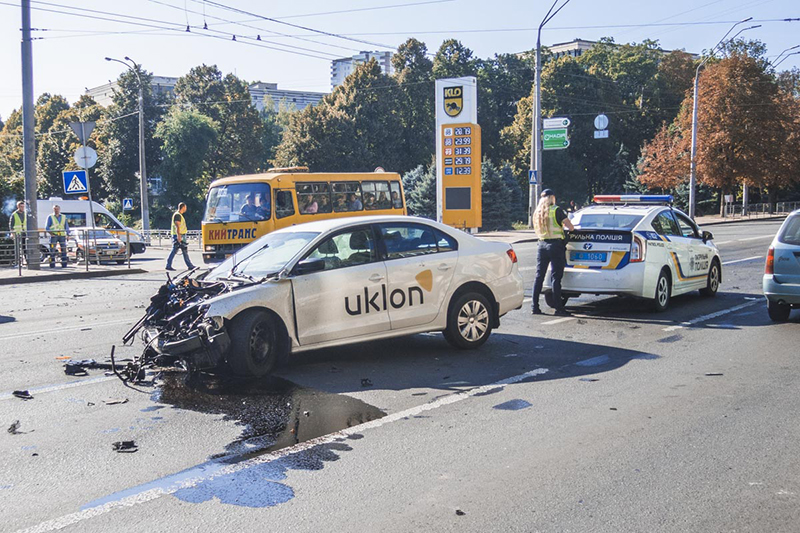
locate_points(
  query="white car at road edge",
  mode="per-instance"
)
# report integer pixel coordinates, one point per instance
(330, 283)
(639, 246)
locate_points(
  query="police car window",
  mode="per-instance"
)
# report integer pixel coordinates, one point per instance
(790, 234)
(346, 249)
(284, 206)
(347, 196)
(664, 224)
(408, 240)
(608, 220)
(687, 228)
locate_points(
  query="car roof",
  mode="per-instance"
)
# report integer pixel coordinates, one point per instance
(326, 225)
(625, 209)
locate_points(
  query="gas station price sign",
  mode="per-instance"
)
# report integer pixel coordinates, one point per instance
(461, 174)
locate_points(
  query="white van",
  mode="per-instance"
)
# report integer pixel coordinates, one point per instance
(77, 212)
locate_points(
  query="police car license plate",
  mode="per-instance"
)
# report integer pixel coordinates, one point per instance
(595, 257)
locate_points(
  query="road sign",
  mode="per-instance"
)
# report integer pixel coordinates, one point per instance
(601, 134)
(601, 122)
(555, 123)
(555, 139)
(127, 204)
(532, 177)
(85, 157)
(75, 181)
(82, 130)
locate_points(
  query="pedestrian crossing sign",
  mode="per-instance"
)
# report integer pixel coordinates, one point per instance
(127, 204)
(75, 181)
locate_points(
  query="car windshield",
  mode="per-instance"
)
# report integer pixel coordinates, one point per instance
(95, 234)
(238, 203)
(265, 256)
(790, 233)
(606, 220)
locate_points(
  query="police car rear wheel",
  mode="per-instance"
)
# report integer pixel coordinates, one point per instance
(712, 285)
(469, 321)
(257, 343)
(663, 292)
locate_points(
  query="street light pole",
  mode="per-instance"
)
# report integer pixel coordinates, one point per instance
(142, 160)
(28, 140)
(536, 117)
(693, 162)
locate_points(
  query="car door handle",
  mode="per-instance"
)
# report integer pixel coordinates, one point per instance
(376, 278)
(443, 267)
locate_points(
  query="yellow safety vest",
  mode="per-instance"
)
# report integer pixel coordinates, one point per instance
(19, 222)
(553, 229)
(57, 227)
(174, 229)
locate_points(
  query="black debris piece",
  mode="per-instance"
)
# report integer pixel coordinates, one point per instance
(14, 428)
(459, 512)
(612, 408)
(714, 374)
(589, 379)
(115, 401)
(365, 382)
(75, 370)
(23, 394)
(125, 446)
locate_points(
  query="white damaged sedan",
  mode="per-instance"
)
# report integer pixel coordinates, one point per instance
(330, 283)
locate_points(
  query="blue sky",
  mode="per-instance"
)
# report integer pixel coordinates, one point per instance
(70, 56)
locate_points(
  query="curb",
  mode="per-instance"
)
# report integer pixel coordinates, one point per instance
(733, 221)
(70, 276)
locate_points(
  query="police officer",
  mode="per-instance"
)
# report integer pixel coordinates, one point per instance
(18, 225)
(58, 228)
(178, 231)
(549, 221)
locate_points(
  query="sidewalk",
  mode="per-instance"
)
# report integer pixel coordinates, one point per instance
(152, 261)
(528, 235)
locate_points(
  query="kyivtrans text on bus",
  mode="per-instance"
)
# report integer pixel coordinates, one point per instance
(240, 209)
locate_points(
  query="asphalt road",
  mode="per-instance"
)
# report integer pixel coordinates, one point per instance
(614, 420)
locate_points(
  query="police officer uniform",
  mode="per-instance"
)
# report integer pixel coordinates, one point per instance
(179, 227)
(552, 253)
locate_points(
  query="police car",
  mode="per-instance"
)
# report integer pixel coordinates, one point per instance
(329, 283)
(640, 246)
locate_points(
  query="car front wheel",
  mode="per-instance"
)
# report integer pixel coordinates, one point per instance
(258, 343)
(469, 321)
(712, 284)
(778, 312)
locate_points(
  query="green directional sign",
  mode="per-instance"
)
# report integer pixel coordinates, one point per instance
(555, 139)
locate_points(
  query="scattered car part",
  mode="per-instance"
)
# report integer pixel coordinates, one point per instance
(125, 446)
(23, 394)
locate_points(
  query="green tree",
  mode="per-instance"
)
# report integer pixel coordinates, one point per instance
(421, 201)
(187, 137)
(414, 102)
(518, 203)
(495, 199)
(454, 60)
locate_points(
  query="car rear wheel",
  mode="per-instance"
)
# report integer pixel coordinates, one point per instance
(663, 292)
(550, 300)
(712, 285)
(258, 343)
(469, 321)
(778, 312)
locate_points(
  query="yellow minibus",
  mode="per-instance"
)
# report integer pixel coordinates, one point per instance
(240, 209)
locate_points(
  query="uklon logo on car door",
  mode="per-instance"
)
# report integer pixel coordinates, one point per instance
(378, 299)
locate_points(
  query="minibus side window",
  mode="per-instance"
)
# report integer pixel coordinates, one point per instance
(397, 196)
(376, 195)
(313, 198)
(284, 206)
(347, 196)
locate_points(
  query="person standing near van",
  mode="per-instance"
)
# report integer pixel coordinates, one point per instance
(58, 228)
(178, 231)
(18, 225)
(549, 221)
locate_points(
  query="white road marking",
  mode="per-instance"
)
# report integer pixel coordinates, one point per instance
(70, 328)
(710, 316)
(743, 260)
(558, 321)
(756, 238)
(153, 494)
(61, 386)
(527, 268)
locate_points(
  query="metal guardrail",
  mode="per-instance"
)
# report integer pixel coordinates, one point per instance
(163, 237)
(761, 210)
(33, 250)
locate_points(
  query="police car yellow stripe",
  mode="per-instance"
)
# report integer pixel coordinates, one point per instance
(679, 270)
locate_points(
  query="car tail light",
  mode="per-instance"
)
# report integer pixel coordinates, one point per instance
(770, 267)
(638, 249)
(512, 255)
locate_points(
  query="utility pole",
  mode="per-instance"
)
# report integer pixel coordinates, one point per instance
(693, 154)
(536, 115)
(142, 160)
(28, 140)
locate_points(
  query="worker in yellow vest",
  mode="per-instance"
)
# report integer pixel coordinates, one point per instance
(178, 231)
(58, 228)
(549, 222)
(18, 225)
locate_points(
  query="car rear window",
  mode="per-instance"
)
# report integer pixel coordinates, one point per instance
(608, 220)
(790, 233)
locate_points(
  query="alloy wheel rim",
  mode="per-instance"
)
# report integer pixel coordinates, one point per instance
(473, 320)
(662, 291)
(714, 278)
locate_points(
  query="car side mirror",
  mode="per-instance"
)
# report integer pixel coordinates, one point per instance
(308, 266)
(707, 236)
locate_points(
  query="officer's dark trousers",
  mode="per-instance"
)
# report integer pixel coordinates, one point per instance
(183, 247)
(552, 253)
(61, 241)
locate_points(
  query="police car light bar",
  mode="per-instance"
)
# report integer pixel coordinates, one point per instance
(633, 199)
